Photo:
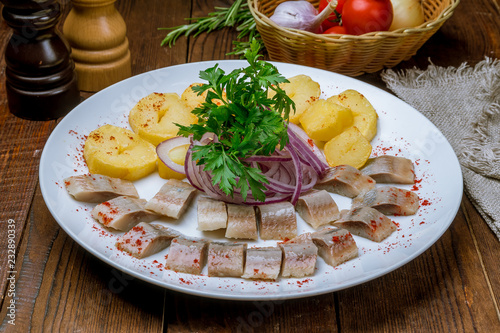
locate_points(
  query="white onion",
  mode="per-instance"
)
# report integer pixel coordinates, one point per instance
(407, 14)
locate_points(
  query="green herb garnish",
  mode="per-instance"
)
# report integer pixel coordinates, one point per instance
(247, 123)
(237, 15)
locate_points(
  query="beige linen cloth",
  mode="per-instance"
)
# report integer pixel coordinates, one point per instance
(464, 103)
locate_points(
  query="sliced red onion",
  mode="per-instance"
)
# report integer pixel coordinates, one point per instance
(308, 143)
(289, 172)
(166, 146)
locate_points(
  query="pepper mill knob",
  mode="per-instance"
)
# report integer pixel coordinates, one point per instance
(97, 34)
(41, 82)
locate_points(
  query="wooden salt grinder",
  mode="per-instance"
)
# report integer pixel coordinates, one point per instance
(40, 78)
(97, 34)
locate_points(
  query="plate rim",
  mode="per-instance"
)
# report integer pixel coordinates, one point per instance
(229, 296)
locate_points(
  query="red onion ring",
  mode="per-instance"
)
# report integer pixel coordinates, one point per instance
(290, 172)
(166, 146)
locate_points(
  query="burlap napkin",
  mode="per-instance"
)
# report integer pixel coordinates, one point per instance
(464, 104)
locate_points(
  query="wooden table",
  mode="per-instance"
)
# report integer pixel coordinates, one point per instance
(454, 286)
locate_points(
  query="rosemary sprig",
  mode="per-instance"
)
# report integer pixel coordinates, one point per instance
(238, 15)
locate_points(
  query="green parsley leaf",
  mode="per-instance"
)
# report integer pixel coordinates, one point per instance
(247, 123)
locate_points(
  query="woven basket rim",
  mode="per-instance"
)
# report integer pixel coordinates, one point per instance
(262, 19)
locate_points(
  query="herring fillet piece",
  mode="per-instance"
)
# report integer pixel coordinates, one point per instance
(277, 221)
(366, 222)
(146, 239)
(345, 180)
(390, 169)
(212, 214)
(122, 213)
(263, 263)
(226, 259)
(241, 222)
(335, 245)
(173, 198)
(317, 208)
(389, 200)
(299, 256)
(187, 255)
(96, 188)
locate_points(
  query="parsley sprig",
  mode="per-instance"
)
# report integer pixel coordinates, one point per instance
(245, 120)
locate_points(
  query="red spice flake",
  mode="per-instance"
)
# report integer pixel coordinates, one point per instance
(138, 242)
(426, 203)
(185, 281)
(67, 183)
(105, 219)
(310, 142)
(72, 132)
(196, 261)
(301, 283)
(138, 228)
(255, 270)
(421, 223)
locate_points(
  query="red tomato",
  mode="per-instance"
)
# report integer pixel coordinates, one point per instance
(363, 16)
(339, 29)
(331, 21)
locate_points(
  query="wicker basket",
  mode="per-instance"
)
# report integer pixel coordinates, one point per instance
(347, 54)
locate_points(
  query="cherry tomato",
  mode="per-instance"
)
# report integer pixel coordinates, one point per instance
(339, 29)
(332, 20)
(363, 16)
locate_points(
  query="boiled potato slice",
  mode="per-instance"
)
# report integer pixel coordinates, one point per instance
(177, 155)
(192, 100)
(154, 117)
(303, 91)
(365, 116)
(325, 120)
(118, 152)
(350, 147)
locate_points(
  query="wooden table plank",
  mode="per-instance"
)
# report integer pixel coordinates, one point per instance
(186, 313)
(447, 278)
(487, 247)
(213, 46)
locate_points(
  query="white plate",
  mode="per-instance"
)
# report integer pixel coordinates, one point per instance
(402, 131)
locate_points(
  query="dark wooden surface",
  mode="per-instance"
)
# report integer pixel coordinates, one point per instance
(452, 287)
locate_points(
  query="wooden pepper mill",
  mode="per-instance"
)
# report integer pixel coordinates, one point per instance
(97, 34)
(41, 82)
